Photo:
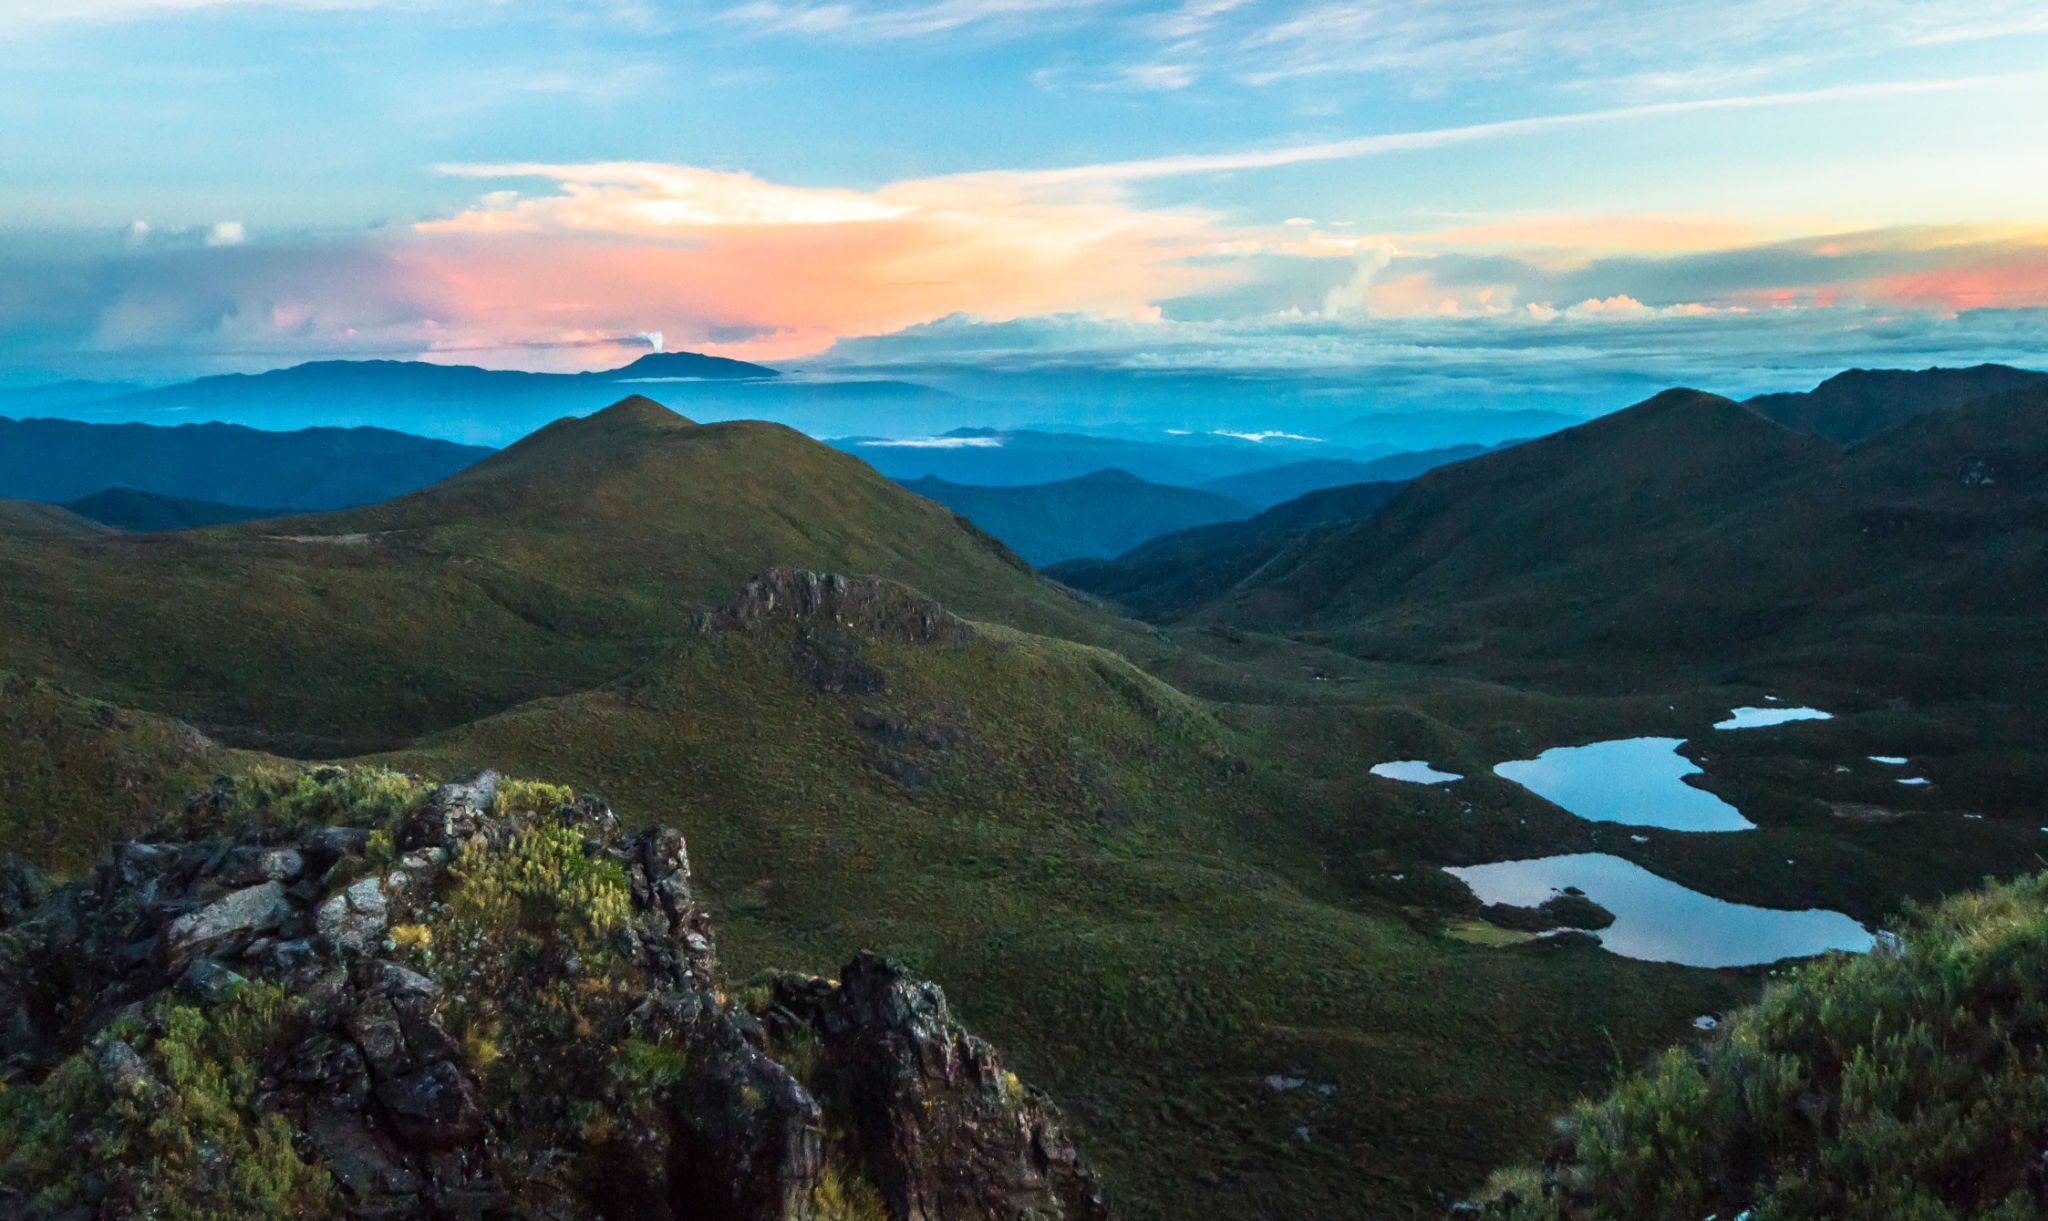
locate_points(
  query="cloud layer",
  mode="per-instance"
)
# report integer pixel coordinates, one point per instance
(576, 265)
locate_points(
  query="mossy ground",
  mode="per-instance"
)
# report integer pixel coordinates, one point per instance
(79, 775)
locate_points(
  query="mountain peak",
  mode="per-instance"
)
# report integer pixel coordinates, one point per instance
(637, 410)
(692, 365)
(1108, 474)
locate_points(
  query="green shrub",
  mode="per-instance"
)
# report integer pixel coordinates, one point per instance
(1894, 1085)
(183, 1141)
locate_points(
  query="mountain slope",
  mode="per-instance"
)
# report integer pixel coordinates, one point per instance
(1595, 497)
(1860, 403)
(78, 776)
(1100, 514)
(1273, 485)
(314, 468)
(1176, 573)
(128, 509)
(552, 566)
(1688, 534)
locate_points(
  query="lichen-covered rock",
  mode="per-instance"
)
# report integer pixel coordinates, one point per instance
(516, 1018)
(229, 922)
(356, 918)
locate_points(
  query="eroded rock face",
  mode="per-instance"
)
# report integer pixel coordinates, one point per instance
(455, 1046)
(867, 604)
(947, 1131)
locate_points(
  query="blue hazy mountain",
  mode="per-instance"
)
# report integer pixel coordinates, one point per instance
(1273, 485)
(991, 456)
(1100, 514)
(229, 464)
(498, 406)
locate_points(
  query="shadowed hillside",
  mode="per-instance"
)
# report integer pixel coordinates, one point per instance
(1856, 405)
(128, 509)
(1176, 573)
(1689, 529)
(1101, 514)
(1276, 485)
(554, 565)
(1573, 520)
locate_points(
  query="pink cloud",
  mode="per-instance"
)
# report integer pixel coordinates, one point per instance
(699, 253)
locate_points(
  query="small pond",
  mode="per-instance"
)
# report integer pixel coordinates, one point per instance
(1757, 718)
(1638, 781)
(1414, 771)
(1657, 920)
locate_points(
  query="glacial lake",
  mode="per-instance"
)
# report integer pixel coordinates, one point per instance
(1414, 771)
(1757, 718)
(1657, 920)
(1639, 781)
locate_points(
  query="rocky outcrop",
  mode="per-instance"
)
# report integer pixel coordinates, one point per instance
(946, 1130)
(483, 1010)
(870, 606)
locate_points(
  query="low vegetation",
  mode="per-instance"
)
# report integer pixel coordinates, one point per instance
(1911, 1083)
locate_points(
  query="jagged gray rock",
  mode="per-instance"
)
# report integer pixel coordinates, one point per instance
(404, 1116)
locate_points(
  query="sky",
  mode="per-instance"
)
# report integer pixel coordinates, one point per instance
(1470, 202)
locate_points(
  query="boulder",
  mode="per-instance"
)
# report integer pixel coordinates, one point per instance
(355, 919)
(228, 923)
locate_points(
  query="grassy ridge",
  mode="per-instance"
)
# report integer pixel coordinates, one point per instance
(78, 776)
(552, 566)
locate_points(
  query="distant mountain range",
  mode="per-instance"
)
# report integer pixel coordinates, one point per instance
(992, 456)
(491, 406)
(315, 468)
(1102, 514)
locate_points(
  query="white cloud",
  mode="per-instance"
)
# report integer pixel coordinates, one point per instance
(1185, 164)
(644, 195)
(869, 21)
(938, 443)
(1156, 78)
(225, 233)
(1268, 435)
